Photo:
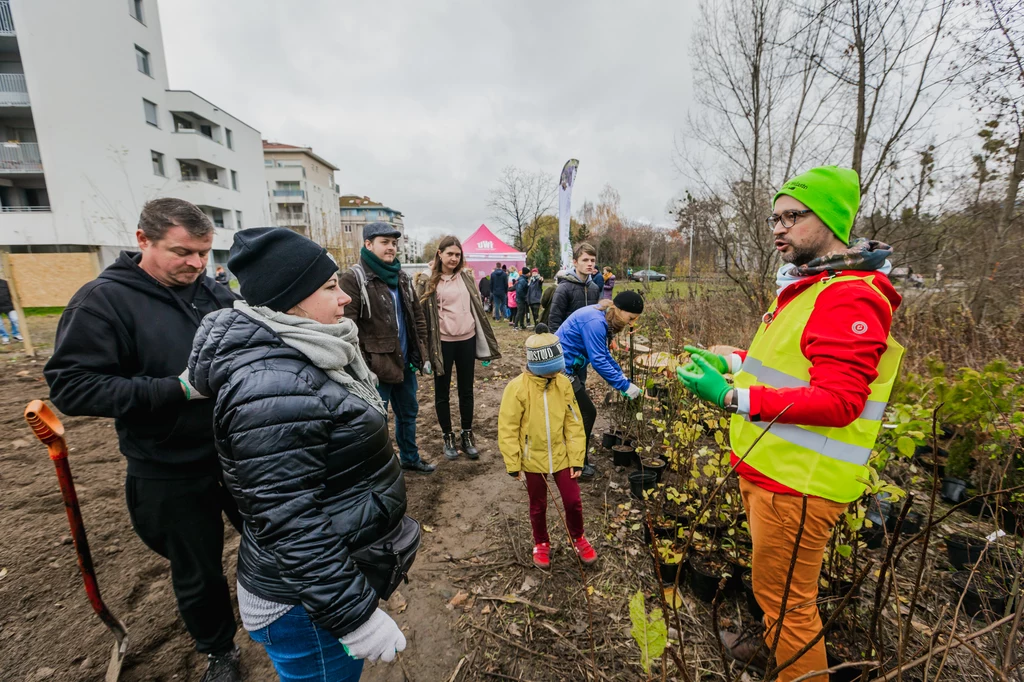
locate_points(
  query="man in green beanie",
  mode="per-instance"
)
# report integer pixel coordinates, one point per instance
(821, 365)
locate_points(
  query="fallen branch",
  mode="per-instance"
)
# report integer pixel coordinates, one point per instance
(514, 644)
(513, 599)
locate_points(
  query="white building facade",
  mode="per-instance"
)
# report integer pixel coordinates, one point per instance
(301, 191)
(356, 212)
(90, 130)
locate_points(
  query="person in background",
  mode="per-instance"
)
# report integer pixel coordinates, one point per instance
(577, 288)
(499, 285)
(7, 308)
(540, 434)
(534, 294)
(458, 334)
(609, 283)
(485, 292)
(598, 277)
(222, 276)
(522, 302)
(548, 295)
(820, 370)
(585, 336)
(303, 441)
(121, 351)
(511, 301)
(392, 332)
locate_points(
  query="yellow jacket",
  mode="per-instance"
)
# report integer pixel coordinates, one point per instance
(540, 429)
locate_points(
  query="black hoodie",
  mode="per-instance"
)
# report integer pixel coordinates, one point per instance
(121, 344)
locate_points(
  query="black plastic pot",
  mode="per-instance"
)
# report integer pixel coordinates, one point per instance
(874, 536)
(747, 581)
(609, 439)
(704, 581)
(984, 593)
(663, 529)
(912, 524)
(954, 490)
(622, 455)
(978, 507)
(963, 550)
(655, 465)
(656, 391)
(639, 481)
(668, 572)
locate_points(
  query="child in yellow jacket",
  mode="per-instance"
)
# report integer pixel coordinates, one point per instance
(540, 433)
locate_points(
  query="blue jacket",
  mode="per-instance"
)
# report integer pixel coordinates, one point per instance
(499, 282)
(522, 285)
(584, 337)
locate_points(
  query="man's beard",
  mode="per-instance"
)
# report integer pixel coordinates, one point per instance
(798, 255)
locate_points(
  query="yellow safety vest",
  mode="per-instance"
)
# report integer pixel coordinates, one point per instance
(820, 461)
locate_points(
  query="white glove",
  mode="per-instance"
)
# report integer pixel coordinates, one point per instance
(379, 637)
(427, 369)
(190, 391)
(633, 392)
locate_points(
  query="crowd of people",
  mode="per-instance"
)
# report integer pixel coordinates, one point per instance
(270, 408)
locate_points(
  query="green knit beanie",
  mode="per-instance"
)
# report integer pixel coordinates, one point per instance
(833, 193)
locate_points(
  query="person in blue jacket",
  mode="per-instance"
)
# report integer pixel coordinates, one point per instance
(585, 336)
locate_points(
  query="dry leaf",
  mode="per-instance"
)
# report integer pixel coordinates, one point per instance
(528, 584)
(458, 599)
(427, 529)
(514, 630)
(397, 603)
(3, 573)
(485, 610)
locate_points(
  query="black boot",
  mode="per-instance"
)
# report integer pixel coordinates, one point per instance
(468, 446)
(449, 446)
(223, 668)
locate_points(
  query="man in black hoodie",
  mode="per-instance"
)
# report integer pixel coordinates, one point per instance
(575, 289)
(122, 344)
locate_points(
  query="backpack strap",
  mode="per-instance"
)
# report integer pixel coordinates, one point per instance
(364, 297)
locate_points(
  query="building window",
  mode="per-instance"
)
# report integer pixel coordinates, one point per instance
(135, 9)
(218, 217)
(189, 171)
(228, 138)
(348, 229)
(206, 130)
(158, 163)
(142, 60)
(150, 110)
(212, 176)
(238, 219)
(234, 180)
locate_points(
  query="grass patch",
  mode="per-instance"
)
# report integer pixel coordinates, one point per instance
(46, 310)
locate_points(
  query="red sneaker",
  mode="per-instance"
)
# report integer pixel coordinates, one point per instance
(584, 549)
(542, 555)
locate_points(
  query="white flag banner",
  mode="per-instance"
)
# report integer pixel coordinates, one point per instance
(565, 210)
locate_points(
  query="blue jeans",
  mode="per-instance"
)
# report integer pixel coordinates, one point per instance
(499, 306)
(12, 315)
(303, 651)
(406, 407)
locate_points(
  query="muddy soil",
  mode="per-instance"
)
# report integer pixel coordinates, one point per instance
(47, 629)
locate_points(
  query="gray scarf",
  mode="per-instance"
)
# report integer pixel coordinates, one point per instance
(334, 348)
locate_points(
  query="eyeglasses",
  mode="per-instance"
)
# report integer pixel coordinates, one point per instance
(787, 218)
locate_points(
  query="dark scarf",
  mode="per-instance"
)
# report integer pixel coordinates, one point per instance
(386, 271)
(863, 254)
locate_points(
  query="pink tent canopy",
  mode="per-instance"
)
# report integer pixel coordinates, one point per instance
(483, 250)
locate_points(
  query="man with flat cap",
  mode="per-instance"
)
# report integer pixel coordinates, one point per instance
(392, 332)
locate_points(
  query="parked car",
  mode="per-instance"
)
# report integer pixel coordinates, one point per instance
(648, 275)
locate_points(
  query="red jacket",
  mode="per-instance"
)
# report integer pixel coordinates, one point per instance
(844, 339)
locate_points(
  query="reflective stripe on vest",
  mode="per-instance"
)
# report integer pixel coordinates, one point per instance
(820, 461)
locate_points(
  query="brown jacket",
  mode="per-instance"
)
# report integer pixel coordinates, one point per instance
(486, 343)
(378, 328)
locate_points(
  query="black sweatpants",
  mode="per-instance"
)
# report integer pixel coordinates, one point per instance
(535, 311)
(461, 354)
(587, 408)
(521, 313)
(180, 519)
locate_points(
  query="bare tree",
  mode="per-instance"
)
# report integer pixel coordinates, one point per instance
(519, 200)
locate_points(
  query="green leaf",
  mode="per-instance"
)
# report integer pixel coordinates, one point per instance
(844, 550)
(906, 446)
(649, 633)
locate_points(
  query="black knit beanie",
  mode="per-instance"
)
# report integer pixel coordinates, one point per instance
(629, 301)
(278, 268)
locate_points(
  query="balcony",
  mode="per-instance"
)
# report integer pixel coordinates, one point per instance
(24, 209)
(6, 20)
(20, 157)
(289, 193)
(291, 219)
(193, 145)
(200, 178)
(13, 90)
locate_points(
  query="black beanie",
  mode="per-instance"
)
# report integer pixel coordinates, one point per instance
(278, 268)
(629, 301)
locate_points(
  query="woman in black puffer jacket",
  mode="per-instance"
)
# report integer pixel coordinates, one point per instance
(303, 442)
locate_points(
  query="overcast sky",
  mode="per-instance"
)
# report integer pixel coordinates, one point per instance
(421, 104)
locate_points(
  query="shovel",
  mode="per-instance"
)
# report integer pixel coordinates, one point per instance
(50, 431)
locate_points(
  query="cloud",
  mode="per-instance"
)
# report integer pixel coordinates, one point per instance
(422, 103)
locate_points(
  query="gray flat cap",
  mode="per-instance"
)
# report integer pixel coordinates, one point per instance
(379, 229)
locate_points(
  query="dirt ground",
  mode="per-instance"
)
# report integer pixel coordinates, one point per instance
(47, 629)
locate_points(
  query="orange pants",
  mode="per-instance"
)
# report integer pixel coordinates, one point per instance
(774, 520)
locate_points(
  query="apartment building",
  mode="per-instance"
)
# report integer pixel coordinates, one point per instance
(90, 130)
(357, 211)
(410, 250)
(301, 192)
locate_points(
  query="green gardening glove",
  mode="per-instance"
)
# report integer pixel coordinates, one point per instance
(719, 362)
(703, 380)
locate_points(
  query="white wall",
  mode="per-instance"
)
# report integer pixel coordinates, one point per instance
(86, 94)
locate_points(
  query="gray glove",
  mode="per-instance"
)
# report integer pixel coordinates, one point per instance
(427, 369)
(190, 391)
(633, 392)
(379, 637)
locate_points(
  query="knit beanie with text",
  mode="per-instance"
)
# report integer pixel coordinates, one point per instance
(833, 193)
(544, 352)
